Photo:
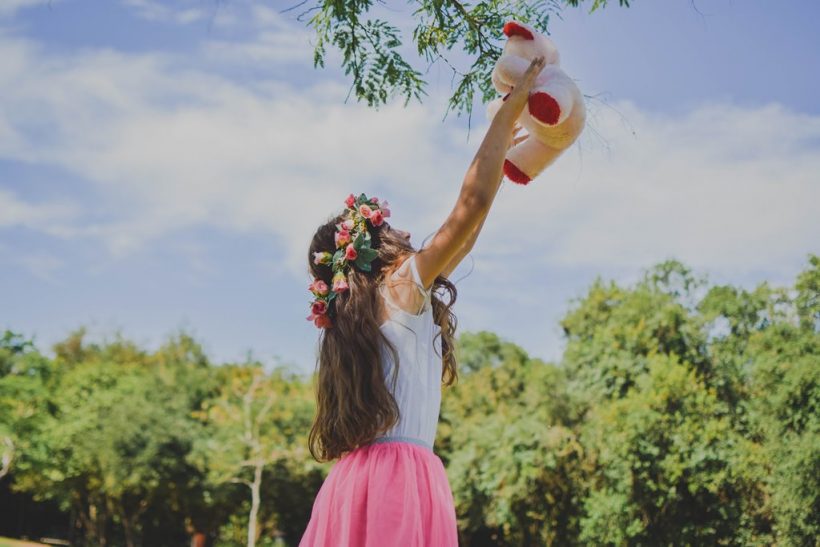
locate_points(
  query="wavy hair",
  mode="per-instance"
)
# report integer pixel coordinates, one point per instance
(354, 404)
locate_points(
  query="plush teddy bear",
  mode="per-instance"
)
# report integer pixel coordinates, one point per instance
(555, 112)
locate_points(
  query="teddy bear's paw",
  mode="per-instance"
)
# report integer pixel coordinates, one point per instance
(544, 108)
(515, 174)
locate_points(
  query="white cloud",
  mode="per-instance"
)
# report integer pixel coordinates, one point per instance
(268, 47)
(722, 188)
(168, 146)
(9, 8)
(42, 266)
(53, 218)
(268, 39)
(180, 11)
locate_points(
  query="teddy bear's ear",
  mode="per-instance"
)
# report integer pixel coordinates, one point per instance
(514, 28)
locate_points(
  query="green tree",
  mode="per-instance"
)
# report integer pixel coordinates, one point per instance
(24, 380)
(514, 463)
(255, 421)
(783, 357)
(665, 454)
(109, 441)
(699, 410)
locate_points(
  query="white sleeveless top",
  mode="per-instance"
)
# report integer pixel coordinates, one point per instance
(418, 385)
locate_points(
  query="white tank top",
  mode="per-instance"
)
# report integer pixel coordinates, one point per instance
(418, 385)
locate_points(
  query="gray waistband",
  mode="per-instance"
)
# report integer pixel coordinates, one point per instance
(402, 438)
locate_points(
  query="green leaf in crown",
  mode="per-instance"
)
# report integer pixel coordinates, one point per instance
(362, 264)
(366, 254)
(359, 241)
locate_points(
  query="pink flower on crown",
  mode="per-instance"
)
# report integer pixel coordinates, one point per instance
(350, 252)
(342, 238)
(375, 200)
(319, 315)
(319, 307)
(322, 257)
(323, 322)
(365, 210)
(340, 282)
(318, 287)
(347, 224)
(377, 217)
(350, 201)
(385, 211)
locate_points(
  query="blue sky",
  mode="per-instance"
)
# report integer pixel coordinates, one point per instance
(163, 166)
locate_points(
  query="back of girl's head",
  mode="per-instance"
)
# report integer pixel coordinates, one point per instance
(354, 404)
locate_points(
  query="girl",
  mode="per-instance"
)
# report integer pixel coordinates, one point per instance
(386, 341)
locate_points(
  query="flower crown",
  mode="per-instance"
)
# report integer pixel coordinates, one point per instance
(353, 246)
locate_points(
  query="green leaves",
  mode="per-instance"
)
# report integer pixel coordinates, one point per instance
(372, 52)
(656, 428)
(677, 432)
(338, 256)
(364, 258)
(365, 253)
(369, 52)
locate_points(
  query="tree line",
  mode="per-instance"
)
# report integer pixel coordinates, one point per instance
(680, 413)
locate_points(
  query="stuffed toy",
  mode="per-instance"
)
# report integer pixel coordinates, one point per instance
(555, 112)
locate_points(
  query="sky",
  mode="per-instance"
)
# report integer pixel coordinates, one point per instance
(163, 166)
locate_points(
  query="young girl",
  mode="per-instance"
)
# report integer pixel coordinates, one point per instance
(386, 345)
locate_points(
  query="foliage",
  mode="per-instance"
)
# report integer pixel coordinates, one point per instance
(254, 421)
(371, 48)
(681, 413)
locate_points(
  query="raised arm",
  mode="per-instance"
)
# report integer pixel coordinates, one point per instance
(468, 246)
(478, 190)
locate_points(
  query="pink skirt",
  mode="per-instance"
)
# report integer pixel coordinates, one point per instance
(391, 493)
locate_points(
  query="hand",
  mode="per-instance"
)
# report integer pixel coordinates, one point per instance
(521, 90)
(515, 140)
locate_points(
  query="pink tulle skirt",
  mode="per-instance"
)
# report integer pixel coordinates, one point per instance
(387, 494)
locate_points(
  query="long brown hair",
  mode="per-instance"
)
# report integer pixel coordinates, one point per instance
(354, 404)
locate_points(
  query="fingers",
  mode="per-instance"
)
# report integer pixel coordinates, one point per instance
(521, 89)
(535, 67)
(515, 141)
(536, 62)
(527, 79)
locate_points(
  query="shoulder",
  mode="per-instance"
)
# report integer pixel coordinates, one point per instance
(404, 287)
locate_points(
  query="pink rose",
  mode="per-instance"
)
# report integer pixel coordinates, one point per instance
(323, 322)
(375, 200)
(365, 210)
(350, 201)
(348, 224)
(350, 252)
(319, 307)
(322, 257)
(342, 238)
(340, 282)
(377, 217)
(385, 211)
(318, 287)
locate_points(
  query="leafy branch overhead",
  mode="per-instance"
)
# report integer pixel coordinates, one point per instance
(370, 47)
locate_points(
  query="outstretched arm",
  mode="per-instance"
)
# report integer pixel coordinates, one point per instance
(468, 246)
(480, 184)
